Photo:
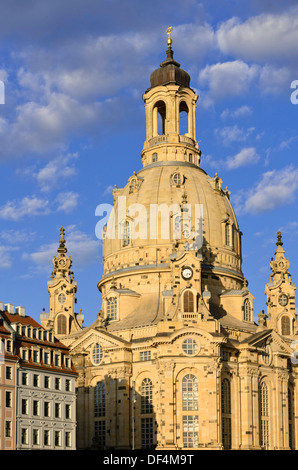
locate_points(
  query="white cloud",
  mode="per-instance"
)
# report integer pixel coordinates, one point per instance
(228, 78)
(55, 171)
(17, 236)
(83, 249)
(5, 256)
(27, 206)
(67, 201)
(276, 188)
(275, 80)
(261, 38)
(237, 113)
(231, 134)
(247, 156)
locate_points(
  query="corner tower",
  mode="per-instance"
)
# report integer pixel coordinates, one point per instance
(62, 287)
(280, 292)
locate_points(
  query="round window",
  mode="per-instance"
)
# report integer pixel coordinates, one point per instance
(177, 179)
(97, 354)
(283, 300)
(190, 347)
(61, 298)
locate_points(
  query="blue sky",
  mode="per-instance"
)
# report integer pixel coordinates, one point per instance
(73, 125)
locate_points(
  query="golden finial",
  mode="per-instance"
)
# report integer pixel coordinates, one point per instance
(169, 41)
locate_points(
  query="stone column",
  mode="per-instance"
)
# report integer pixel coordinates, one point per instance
(165, 412)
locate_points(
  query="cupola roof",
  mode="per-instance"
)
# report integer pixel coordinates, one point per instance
(169, 71)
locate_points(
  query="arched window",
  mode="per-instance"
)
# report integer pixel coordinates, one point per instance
(147, 429)
(97, 354)
(264, 415)
(154, 157)
(61, 325)
(112, 309)
(188, 302)
(285, 325)
(291, 418)
(99, 415)
(126, 233)
(99, 400)
(190, 404)
(146, 396)
(247, 310)
(183, 118)
(228, 235)
(190, 393)
(226, 413)
(159, 118)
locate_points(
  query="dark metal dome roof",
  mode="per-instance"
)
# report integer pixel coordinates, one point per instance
(169, 72)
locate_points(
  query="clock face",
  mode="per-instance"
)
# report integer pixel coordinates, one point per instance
(187, 273)
(62, 262)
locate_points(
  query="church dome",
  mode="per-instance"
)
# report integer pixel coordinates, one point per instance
(170, 214)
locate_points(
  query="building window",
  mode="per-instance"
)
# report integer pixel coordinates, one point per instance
(24, 436)
(46, 409)
(61, 324)
(24, 378)
(67, 411)
(46, 381)
(35, 437)
(190, 158)
(226, 413)
(57, 383)
(35, 380)
(112, 309)
(285, 325)
(24, 406)
(146, 396)
(177, 179)
(188, 302)
(8, 373)
(46, 358)
(283, 300)
(99, 400)
(154, 157)
(57, 360)
(100, 434)
(35, 407)
(147, 432)
(264, 415)
(190, 393)
(57, 410)
(57, 438)
(97, 354)
(228, 235)
(7, 428)
(46, 437)
(190, 428)
(126, 233)
(145, 356)
(247, 310)
(291, 418)
(8, 399)
(35, 355)
(67, 439)
(266, 355)
(67, 385)
(8, 346)
(190, 347)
